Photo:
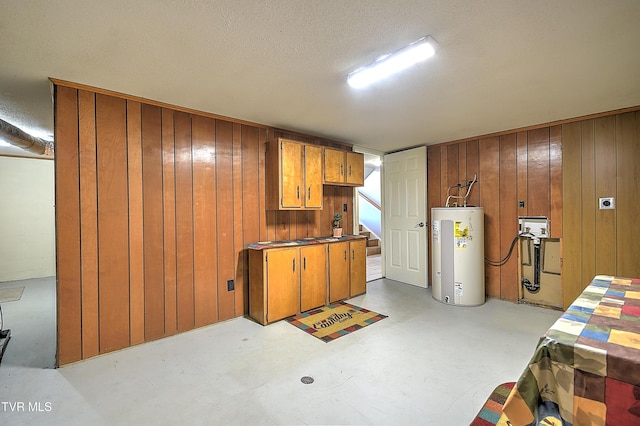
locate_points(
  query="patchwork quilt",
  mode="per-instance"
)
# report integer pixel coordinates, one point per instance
(586, 368)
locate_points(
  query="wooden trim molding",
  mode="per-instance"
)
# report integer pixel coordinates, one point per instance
(79, 86)
(542, 125)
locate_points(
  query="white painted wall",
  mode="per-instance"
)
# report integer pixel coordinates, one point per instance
(27, 226)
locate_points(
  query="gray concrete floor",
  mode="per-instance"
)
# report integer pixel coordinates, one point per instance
(428, 363)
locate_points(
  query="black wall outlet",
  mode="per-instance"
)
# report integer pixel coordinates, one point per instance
(230, 285)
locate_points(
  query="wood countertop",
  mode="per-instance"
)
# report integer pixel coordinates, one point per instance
(261, 245)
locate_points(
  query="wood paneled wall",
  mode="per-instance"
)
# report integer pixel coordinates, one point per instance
(519, 166)
(154, 206)
(601, 158)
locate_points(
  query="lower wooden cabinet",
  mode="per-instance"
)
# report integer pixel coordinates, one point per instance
(339, 271)
(313, 276)
(274, 284)
(358, 267)
(284, 281)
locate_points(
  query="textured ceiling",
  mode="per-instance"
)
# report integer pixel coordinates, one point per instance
(500, 64)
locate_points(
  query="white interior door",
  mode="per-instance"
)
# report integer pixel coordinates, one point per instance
(405, 216)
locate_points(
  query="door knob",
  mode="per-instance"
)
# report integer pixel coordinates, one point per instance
(420, 225)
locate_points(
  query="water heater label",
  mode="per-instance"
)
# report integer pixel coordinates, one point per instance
(458, 288)
(460, 232)
(461, 235)
(436, 231)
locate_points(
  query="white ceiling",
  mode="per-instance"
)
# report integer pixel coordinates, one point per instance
(501, 64)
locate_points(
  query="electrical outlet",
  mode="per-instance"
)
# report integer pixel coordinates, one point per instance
(521, 204)
(344, 207)
(231, 285)
(607, 203)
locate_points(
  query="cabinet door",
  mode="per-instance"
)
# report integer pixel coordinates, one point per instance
(283, 283)
(355, 169)
(338, 271)
(358, 266)
(334, 166)
(313, 276)
(312, 176)
(291, 174)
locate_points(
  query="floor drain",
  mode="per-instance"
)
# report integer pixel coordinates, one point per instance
(307, 380)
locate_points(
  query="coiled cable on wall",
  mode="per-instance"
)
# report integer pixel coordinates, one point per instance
(506, 258)
(464, 197)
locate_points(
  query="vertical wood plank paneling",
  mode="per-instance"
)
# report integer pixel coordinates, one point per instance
(538, 172)
(253, 213)
(169, 222)
(628, 198)
(433, 178)
(184, 223)
(462, 163)
(136, 243)
(262, 140)
(508, 216)
(473, 161)
(224, 218)
(153, 227)
(88, 223)
(328, 210)
(283, 225)
(490, 200)
(314, 225)
(347, 198)
(239, 258)
(67, 177)
(204, 217)
(302, 224)
(587, 202)
(555, 176)
(522, 182)
(452, 174)
(605, 154)
(572, 218)
(444, 178)
(113, 222)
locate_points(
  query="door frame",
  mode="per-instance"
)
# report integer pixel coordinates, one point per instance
(427, 282)
(356, 212)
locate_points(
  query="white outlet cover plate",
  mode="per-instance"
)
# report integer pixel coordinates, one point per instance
(607, 203)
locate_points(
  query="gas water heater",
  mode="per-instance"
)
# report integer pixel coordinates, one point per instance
(457, 255)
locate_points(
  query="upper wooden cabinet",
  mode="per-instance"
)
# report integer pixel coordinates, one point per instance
(293, 176)
(343, 167)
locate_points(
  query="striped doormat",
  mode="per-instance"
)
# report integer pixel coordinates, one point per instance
(491, 412)
(336, 320)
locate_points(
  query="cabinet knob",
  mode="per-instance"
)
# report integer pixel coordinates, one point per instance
(341, 170)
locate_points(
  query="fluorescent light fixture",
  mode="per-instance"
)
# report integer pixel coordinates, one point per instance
(392, 63)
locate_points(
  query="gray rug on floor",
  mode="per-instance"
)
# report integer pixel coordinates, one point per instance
(10, 294)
